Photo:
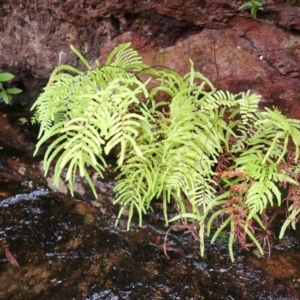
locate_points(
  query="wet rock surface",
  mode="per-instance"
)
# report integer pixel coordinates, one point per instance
(53, 246)
(69, 249)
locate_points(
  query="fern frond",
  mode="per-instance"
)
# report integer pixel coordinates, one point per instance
(50, 105)
(252, 162)
(259, 195)
(127, 59)
(247, 112)
(80, 56)
(282, 129)
(291, 220)
(220, 98)
(248, 106)
(198, 218)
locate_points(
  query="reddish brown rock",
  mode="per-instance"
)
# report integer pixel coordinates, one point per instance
(234, 51)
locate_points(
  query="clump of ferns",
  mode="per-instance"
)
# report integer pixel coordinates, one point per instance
(211, 152)
(252, 169)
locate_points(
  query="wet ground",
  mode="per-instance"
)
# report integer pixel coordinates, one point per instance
(68, 248)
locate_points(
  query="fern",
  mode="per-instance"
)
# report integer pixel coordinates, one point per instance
(180, 165)
(90, 110)
(210, 150)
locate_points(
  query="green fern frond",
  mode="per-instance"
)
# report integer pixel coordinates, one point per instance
(80, 56)
(198, 218)
(245, 113)
(218, 99)
(124, 57)
(261, 192)
(291, 220)
(248, 106)
(282, 129)
(260, 195)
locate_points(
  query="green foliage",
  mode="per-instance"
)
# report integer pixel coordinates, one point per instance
(254, 5)
(6, 94)
(210, 153)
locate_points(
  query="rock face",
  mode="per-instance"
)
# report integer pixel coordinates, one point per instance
(234, 51)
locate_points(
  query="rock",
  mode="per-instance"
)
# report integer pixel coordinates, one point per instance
(61, 188)
(234, 51)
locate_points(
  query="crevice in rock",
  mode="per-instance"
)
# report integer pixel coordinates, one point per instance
(164, 30)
